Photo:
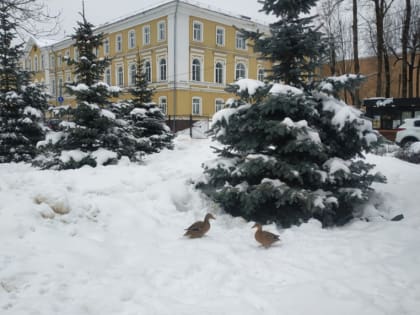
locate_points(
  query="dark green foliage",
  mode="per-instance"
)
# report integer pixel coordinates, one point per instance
(295, 154)
(294, 47)
(21, 104)
(92, 126)
(143, 128)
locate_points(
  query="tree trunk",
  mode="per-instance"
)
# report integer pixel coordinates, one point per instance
(418, 78)
(379, 45)
(356, 50)
(387, 75)
(404, 44)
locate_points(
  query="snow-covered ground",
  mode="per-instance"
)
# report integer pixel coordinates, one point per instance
(120, 249)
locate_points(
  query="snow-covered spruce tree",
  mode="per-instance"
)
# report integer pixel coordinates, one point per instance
(145, 121)
(21, 104)
(91, 137)
(298, 153)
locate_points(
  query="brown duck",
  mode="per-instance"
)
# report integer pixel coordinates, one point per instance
(265, 238)
(199, 228)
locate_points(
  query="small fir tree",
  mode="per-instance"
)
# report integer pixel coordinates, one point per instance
(144, 129)
(90, 138)
(298, 152)
(21, 104)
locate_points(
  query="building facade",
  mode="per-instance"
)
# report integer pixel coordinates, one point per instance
(190, 53)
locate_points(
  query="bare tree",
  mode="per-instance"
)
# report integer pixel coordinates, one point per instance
(381, 7)
(414, 49)
(31, 17)
(355, 33)
(404, 46)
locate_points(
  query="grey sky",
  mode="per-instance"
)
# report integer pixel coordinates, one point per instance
(101, 11)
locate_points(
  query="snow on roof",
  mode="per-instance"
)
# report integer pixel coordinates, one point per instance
(188, 2)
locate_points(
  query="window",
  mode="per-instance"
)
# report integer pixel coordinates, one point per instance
(220, 36)
(161, 31)
(60, 87)
(67, 55)
(68, 77)
(162, 69)
(133, 71)
(163, 104)
(196, 106)
(120, 76)
(198, 31)
(219, 104)
(240, 41)
(146, 35)
(196, 70)
(59, 60)
(260, 75)
(53, 61)
(106, 46)
(240, 71)
(118, 45)
(76, 54)
(36, 63)
(53, 87)
(218, 73)
(108, 76)
(42, 62)
(148, 71)
(131, 39)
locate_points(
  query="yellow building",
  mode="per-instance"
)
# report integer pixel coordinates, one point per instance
(190, 54)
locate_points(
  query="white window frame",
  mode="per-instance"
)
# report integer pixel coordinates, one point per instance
(148, 75)
(36, 63)
(60, 86)
(260, 76)
(161, 31)
(240, 41)
(118, 43)
(117, 75)
(197, 30)
(218, 102)
(107, 76)
(146, 35)
(59, 60)
(223, 63)
(163, 104)
(67, 54)
(53, 87)
(132, 66)
(236, 70)
(160, 58)
(194, 72)
(75, 54)
(131, 39)
(222, 43)
(196, 100)
(106, 47)
(42, 62)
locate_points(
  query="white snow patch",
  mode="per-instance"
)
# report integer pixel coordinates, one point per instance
(249, 85)
(279, 88)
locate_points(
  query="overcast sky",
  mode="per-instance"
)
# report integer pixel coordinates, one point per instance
(101, 11)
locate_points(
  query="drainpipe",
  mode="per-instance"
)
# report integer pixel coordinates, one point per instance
(174, 61)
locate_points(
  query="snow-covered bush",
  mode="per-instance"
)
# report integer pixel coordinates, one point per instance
(410, 153)
(297, 153)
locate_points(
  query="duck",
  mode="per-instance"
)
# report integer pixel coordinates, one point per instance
(265, 238)
(199, 228)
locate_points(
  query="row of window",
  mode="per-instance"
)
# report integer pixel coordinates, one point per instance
(197, 105)
(196, 73)
(198, 35)
(132, 41)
